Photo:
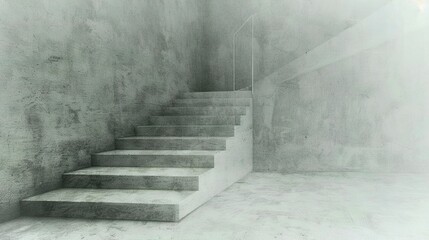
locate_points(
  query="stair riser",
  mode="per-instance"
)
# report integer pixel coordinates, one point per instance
(131, 182)
(124, 211)
(194, 120)
(237, 94)
(211, 102)
(215, 111)
(177, 161)
(177, 144)
(185, 131)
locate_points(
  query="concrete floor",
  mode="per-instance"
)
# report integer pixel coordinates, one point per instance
(325, 206)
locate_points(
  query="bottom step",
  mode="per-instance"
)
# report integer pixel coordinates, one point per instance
(147, 205)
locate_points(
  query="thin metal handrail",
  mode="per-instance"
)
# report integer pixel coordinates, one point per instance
(234, 40)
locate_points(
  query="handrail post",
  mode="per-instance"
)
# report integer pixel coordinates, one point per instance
(234, 54)
(253, 72)
(233, 63)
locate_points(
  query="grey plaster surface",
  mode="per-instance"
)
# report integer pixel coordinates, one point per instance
(358, 102)
(265, 206)
(76, 74)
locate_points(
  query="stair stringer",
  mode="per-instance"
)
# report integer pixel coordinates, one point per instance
(230, 166)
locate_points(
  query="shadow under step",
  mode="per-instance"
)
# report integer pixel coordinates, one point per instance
(225, 94)
(141, 205)
(135, 178)
(155, 158)
(195, 120)
(198, 102)
(187, 131)
(171, 143)
(208, 110)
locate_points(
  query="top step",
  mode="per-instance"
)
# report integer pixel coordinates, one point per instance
(230, 94)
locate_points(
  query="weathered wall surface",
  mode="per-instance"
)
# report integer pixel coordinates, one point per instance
(284, 30)
(76, 74)
(359, 102)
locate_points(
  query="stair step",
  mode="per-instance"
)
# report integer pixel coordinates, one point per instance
(171, 143)
(226, 110)
(155, 158)
(229, 94)
(135, 178)
(195, 120)
(212, 102)
(165, 172)
(143, 205)
(187, 131)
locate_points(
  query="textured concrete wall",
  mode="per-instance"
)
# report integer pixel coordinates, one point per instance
(76, 74)
(284, 30)
(359, 102)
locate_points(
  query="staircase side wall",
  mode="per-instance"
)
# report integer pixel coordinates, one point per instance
(230, 166)
(76, 74)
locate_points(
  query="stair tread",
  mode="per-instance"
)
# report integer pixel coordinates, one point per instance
(112, 196)
(174, 138)
(139, 171)
(159, 152)
(196, 116)
(212, 102)
(221, 94)
(237, 91)
(219, 99)
(185, 126)
(208, 107)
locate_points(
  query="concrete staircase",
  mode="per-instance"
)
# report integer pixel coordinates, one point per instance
(198, 147)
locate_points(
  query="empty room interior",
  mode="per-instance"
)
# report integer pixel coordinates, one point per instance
(214, 119)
